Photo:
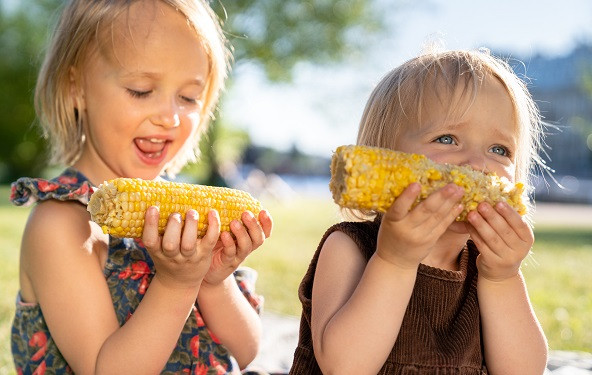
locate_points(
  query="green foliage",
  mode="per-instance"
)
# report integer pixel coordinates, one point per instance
(23, 30)
(279, 34)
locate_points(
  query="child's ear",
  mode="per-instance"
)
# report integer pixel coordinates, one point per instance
(76, 90)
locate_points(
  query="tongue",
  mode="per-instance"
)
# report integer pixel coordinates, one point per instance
(148, 147)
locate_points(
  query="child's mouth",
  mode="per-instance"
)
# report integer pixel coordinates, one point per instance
(151, 148)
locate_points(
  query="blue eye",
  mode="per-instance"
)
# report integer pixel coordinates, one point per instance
(445, 139)
(500, 150)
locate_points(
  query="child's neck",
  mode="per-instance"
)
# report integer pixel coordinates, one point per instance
(446, 252)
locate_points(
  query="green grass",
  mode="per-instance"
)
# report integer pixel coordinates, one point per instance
(558, 274)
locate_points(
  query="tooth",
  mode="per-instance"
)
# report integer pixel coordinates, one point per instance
(155, 140)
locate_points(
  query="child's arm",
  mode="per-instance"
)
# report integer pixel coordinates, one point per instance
(63, 253)
(513, 339)
(357, 309)
(224, 308)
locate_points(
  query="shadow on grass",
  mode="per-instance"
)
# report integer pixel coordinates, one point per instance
(565, 237)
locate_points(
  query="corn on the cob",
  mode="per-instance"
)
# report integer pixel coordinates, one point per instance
(119, 205)
(370, 178)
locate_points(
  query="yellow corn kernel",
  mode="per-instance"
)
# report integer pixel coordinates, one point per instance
(371, 178)
(119, 205)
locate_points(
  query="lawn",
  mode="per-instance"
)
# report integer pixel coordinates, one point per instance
(558, 274)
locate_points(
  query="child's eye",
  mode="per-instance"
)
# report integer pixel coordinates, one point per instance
(500, 150)
(188, 99)
(138, 94)
(445, 139)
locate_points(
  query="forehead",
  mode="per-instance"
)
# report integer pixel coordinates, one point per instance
(449, 99)
(146, 26)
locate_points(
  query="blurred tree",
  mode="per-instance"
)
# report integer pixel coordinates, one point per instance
(274, 34)
(23, 31)
(278, 34)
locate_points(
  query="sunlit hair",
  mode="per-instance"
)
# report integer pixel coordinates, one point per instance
(398, 102)
(84, 25)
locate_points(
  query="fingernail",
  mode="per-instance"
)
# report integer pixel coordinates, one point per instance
(483, 207)
(192, 214)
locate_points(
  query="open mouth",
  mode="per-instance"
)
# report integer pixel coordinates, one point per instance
(151, 148)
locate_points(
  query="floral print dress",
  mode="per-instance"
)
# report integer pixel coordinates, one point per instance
(128, 272)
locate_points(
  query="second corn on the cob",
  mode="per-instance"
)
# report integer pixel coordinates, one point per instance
(370, 178)
(119, 205)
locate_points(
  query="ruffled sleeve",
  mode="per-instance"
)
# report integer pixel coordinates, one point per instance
(70, 185)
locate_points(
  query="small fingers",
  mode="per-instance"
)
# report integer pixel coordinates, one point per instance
(515, 222)
(403, 203)
(172, 235)
(266, 222)
(255, 230)
(150, 236)
(228, 247)
(213, 231)
(189, 237)
(440, 207)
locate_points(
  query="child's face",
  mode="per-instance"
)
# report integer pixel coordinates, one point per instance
(484, 137)
(140, 96)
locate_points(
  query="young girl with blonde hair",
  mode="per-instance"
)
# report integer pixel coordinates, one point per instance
(126, 90)
(413, 290)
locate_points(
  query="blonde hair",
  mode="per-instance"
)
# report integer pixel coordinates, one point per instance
(80, 28)
(398, 101)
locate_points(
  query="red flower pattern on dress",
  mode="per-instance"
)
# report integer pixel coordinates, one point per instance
(12, 192)
(67, 180)
(38, 340)
(201, 369)
(199, 319)
(194, 345)
(214, 337)
(82, 190)
(40, 370)
(125, 273)
(217, 365)
(143, 285)
(139, 269)
(46, 186)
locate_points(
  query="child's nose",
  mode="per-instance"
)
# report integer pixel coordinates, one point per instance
(475, 160)
(167, 116)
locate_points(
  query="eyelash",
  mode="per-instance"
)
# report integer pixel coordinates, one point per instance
(144, 94)
(507, 151)
(437, 140)
(138, 94)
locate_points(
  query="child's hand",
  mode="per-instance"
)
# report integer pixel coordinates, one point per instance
(407, 236)
(503, 238)
(180, 258)
(229, 254)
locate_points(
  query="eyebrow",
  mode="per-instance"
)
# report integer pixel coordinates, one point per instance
(155, 76)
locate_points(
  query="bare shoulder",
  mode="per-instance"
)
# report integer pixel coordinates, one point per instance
(340, 263)
(340, 249)
(57, 236)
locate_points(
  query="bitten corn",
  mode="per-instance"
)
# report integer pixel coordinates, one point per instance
(119, 205)
(370, 178)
